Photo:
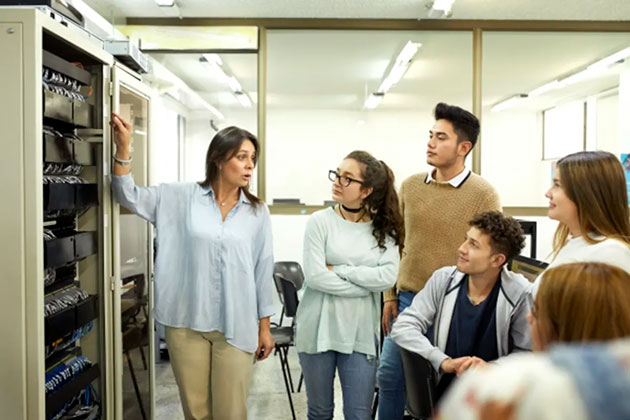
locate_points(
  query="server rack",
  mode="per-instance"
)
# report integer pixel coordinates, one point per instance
(56, 235)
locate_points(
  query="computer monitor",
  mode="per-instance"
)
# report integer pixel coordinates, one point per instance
(529, 230)
(528, 267)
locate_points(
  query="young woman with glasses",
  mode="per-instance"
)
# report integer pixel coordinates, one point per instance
(351, 255)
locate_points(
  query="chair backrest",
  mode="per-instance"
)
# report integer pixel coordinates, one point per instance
(290, 270)
(289, 296)
(278, 283)
(420, 383)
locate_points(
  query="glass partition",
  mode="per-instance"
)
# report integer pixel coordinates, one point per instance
(332, 92)
(556, 94)
(225, 88)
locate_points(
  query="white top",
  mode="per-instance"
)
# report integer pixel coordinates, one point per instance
(609, 251)
(341, 309)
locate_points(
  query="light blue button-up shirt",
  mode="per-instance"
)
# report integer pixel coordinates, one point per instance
(210, 274)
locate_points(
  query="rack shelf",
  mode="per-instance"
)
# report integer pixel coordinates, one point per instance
(63, 150)
(68, 249)
(61, 196)
(69, 319)
(60, 65)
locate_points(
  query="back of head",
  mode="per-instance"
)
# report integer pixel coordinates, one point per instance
(465, 124)
(584, 302)
(596, 183)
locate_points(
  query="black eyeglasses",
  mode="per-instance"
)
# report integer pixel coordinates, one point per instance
(343, 180)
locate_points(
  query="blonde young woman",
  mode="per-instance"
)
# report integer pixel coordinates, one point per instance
(576, 304)
(589, 199)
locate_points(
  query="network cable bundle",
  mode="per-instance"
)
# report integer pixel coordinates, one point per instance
(84, 405)
(69, 310)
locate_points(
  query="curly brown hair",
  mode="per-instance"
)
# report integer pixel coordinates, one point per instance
(506, 234)
(383, 201)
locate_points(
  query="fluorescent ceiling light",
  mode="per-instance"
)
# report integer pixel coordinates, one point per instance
(409, 50)
(395, 73)
(214, 63)
(582, 75)
(165, 3)
(611, 59)
(213, 58)
(373, 100)
(243, 99)
(400, 66)
(234, 84)
(591, 71)
(546, 88)
(443, 5)
(179, 90)
(440, 8)
(508, 103)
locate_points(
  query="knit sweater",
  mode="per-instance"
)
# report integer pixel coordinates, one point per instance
(436, 216)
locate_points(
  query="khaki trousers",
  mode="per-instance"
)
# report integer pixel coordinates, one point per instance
(213, 376)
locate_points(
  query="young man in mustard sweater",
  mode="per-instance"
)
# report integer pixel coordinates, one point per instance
(436, 209)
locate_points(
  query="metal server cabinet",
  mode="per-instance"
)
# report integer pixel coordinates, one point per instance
(55, 218)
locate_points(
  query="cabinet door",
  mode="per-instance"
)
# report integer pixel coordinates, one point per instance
(133, 298)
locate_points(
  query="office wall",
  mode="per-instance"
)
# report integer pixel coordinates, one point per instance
(164, 147)
(607, 124)
(199, 133)
(303, 145)
(198, 136)
(511, 157)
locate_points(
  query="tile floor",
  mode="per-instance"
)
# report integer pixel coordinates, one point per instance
(267, 399)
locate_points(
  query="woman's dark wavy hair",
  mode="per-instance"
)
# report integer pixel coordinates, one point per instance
(223, 147)
(383, 201)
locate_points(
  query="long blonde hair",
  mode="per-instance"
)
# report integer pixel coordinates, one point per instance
(583, 302)
(595, 182)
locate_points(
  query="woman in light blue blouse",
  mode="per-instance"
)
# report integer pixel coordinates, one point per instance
(213, 270)
(351, 255)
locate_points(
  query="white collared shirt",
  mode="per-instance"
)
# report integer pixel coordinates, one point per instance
(456, 181)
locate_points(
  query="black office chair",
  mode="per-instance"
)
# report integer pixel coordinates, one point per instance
(420, 384)
(289, 279)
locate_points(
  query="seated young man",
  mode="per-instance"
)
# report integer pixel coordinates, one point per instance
(477, 310)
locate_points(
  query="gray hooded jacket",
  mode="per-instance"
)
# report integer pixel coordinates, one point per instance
(435, 303)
